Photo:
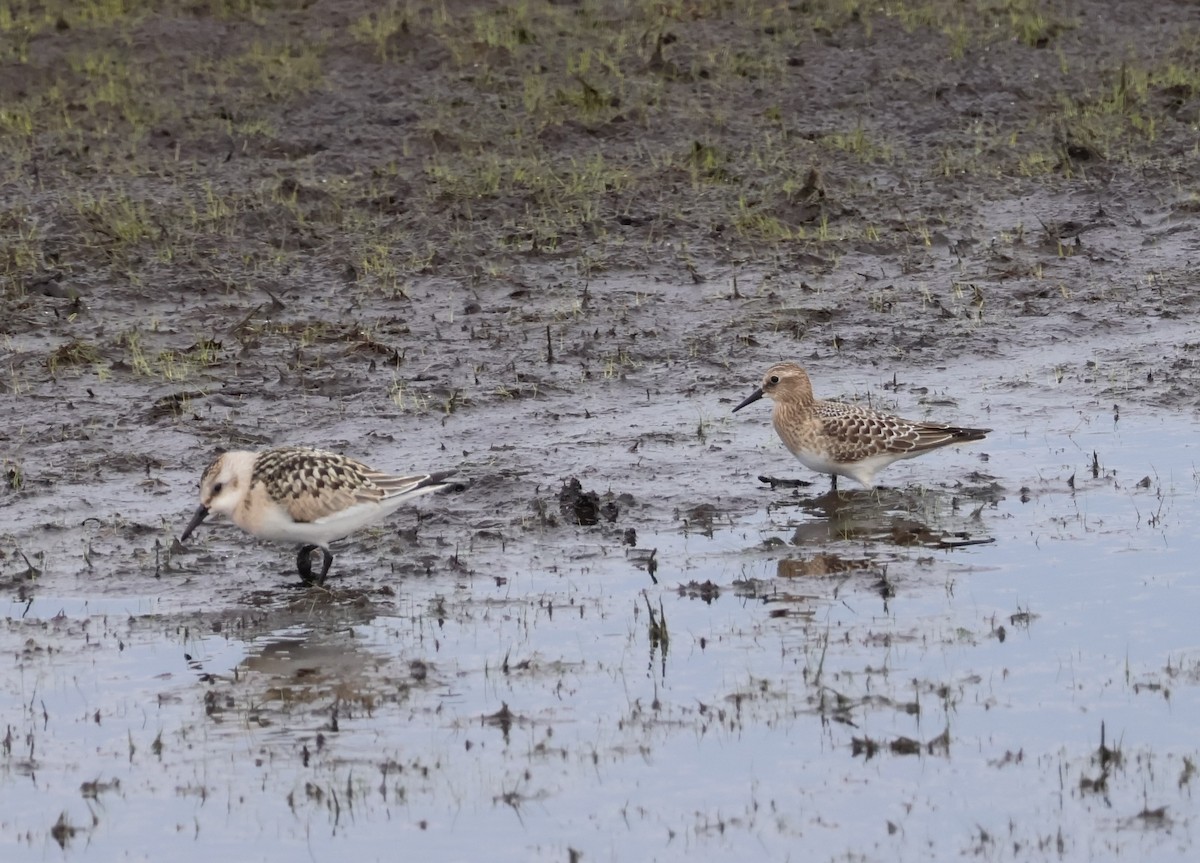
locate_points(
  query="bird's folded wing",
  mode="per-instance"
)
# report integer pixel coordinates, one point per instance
(308, 507)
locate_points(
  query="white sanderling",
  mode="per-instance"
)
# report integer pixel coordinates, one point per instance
(838, 438)
(305, 496)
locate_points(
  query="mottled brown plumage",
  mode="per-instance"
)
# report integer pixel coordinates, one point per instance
(838, 438)
(312, 484)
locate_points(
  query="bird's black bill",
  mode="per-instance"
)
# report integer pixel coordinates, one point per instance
(750, 399)
(201, 514)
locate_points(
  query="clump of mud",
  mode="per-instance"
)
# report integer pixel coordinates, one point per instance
(584, 507)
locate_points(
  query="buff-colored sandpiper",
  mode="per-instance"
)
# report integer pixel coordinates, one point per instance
(838, 438)
(305, 496)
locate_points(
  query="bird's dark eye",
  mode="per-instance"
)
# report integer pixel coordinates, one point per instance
(217, 488)
(774, 379)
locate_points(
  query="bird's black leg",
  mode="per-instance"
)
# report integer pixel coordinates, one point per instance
(328, 562)
(304, 564)
(834, 486)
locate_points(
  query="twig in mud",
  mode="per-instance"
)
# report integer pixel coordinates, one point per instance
(659, 636)
(640, 557)
(821, 661)
(963, 540)
(31, 572)
(776, 482)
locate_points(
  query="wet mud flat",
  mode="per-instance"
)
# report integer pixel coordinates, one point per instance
(552, 245)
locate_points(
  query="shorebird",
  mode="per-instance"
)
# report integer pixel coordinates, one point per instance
(305, 496)
(842, 439)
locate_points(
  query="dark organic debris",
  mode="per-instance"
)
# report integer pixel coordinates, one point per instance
(1022, 619)
(705, 590)
(583, 507)
(578, 506)
(92, 789)
(502, 719)
(776, 482)
(1154, 817)
(863, 746)
(869, 747)
(62, 831)
(905, 746)
(820, 565)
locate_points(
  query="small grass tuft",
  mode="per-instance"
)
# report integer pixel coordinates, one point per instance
(72, 354)
(14, 476)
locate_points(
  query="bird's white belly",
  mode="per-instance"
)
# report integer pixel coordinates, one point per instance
(862, 471)
(821, 463)
(277, 526)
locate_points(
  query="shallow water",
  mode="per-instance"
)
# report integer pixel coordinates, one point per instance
(838, 695)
